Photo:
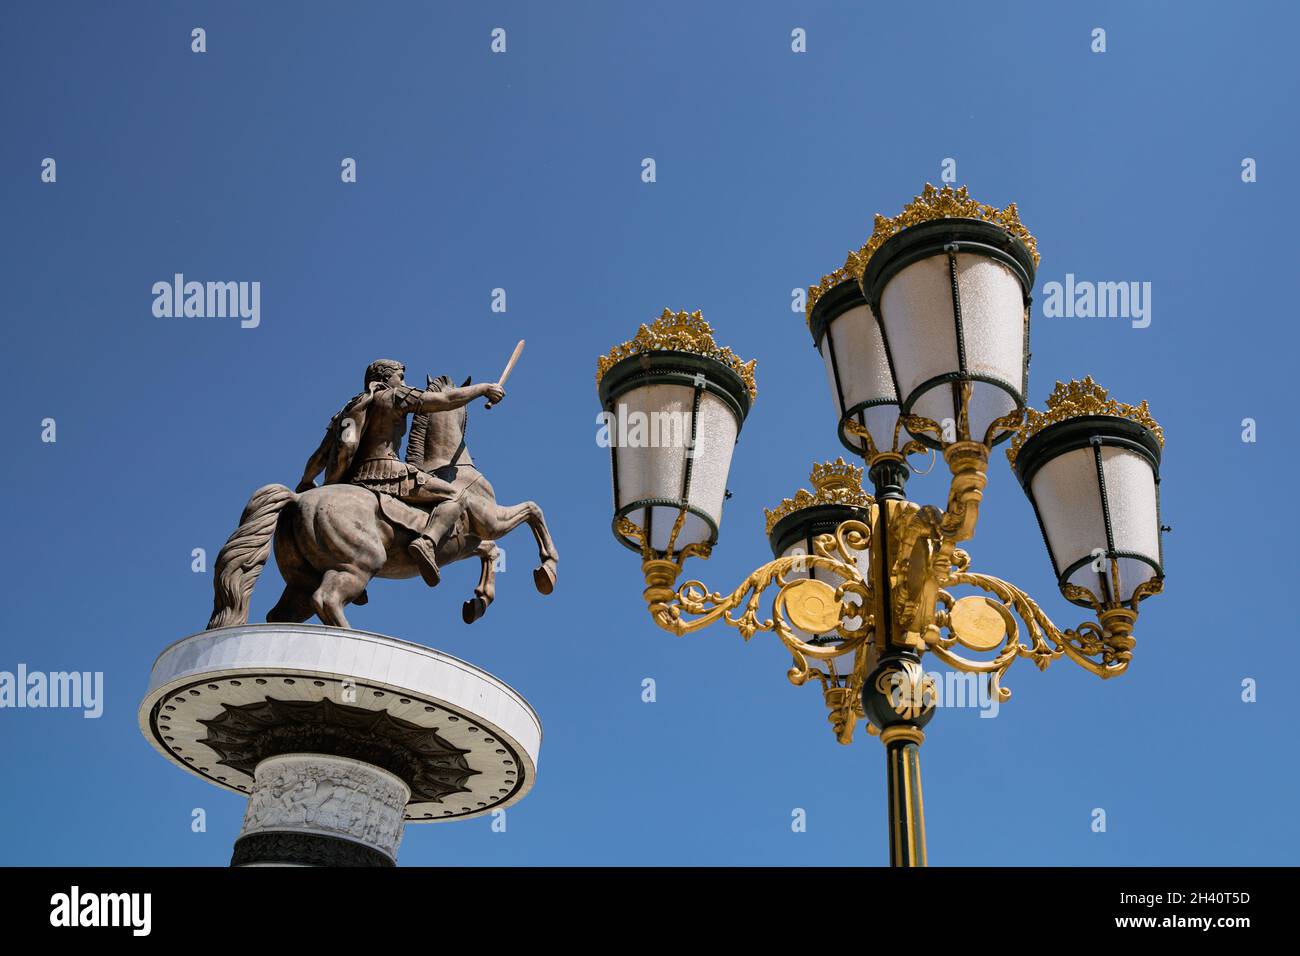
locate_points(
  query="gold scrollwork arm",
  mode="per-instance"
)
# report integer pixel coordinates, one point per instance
(799, 604)
(871, 452)
(983, 624)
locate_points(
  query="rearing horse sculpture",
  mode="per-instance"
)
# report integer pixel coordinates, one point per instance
(330, 541)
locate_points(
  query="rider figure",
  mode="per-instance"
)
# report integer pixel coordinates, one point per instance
(361, 447)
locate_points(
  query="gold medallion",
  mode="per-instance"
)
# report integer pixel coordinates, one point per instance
(979, 623)
(811, 605)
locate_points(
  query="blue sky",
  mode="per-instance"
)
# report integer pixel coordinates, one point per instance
(522, 171)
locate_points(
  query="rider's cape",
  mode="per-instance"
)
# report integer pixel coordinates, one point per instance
(345, 430)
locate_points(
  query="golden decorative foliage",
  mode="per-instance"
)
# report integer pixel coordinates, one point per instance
(945, 203)
(680, 332)
(835, 482)
(1076, 399)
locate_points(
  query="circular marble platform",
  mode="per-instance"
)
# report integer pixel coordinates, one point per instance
(222, 701)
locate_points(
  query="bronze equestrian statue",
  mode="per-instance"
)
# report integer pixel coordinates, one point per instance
(377, 514)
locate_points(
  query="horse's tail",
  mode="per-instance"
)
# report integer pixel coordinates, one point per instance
(244, 554)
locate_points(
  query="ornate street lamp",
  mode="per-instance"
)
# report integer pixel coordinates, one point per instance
(925, 336)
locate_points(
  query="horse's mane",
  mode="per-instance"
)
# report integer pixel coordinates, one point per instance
(415, 442)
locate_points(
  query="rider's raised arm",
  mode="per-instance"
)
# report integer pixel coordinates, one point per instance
(432, 400)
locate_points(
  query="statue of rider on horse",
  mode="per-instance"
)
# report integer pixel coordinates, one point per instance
(377, 514)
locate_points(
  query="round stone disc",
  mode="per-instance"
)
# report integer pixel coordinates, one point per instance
(222, 700)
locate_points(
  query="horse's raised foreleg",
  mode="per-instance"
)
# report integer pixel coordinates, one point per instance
(337, 588)
(503, 519)
(487, 583)
(543, 576)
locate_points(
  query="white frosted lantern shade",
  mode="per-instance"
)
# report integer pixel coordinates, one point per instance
(1134, 515)
(671, 441)
(1097, 500)
(952, 299)
(857, 369)
(919, 317)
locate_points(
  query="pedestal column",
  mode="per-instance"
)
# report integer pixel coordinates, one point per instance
(318, 810)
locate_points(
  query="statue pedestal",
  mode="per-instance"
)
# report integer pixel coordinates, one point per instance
(338, 737)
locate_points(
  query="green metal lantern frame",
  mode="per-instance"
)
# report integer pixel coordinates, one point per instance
(949, 237)
(837, 300)
(1096, 432)
(670, 367)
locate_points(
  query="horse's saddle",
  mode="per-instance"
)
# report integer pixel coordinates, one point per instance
(402, 514)
(415, 519)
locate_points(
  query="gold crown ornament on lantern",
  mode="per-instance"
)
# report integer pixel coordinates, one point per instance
(945, 203)
(1076, 399)
(834, 482)
(680, 332)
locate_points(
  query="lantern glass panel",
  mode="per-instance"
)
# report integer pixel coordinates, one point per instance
(1134, 514)
(930, 348)
(653, 458)
(1068, 494)
(857, 370)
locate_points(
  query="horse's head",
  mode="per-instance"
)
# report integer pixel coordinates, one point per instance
(438, 438)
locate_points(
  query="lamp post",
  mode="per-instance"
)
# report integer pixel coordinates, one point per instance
(924, 333)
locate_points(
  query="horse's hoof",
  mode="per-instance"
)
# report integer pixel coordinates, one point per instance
(471, 611)
(362, 598)
(544, 578)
